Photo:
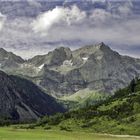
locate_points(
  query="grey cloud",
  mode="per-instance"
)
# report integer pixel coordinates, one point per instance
(100, 25)
(117, 25)
(2, 20)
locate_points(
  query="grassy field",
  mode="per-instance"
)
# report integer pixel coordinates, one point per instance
(38, 134)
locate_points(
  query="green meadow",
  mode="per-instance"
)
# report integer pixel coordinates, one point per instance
(40, 134)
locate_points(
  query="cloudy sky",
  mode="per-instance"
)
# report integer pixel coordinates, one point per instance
(35, 27)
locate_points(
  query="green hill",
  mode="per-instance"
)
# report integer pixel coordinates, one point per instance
(119, 114)
(82, 98)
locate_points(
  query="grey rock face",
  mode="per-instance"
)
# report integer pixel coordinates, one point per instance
(21, 100)
(59, 85)
(9, 60)
(97, 67)
(56, 57)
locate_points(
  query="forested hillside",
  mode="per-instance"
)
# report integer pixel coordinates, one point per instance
(119, 114)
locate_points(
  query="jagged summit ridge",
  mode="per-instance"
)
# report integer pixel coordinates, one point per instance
(8, 60)
(55, 57)
(65, 72)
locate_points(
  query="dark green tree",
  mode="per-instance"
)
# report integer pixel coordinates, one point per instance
(132, 85)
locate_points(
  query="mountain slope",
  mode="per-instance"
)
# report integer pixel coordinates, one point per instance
(21, 100)
(63, 72)
(56, 57)
(83, 98)
(119, 114)
(95, 67)
(8, 60)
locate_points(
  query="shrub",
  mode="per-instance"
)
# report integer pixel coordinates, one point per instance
(65, 128)
(30, 127)
(47, 127)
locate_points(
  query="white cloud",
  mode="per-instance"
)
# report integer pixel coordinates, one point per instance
(98, 25)
(116, 25)
(100, 15)
(73, 16)
(126, 8)
(58, 15)
(2, 19)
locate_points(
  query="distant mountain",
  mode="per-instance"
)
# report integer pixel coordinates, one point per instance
(95, 67)
(63, 72)
(8, 60)
(21, 100)
(56, 57)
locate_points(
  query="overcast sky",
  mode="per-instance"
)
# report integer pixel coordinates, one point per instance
(35, 27)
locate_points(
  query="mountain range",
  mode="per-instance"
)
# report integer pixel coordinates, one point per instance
(63, 72)
(92, 71)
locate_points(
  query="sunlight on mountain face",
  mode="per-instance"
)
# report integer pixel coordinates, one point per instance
(35, 27)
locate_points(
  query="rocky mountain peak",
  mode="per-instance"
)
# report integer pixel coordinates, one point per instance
(3, 53)
(97, 67)
(103, 46)
(105, 52)
(91, 49)
(66, 52)
(55, 57)
(2, 50)
(9, 60)
(21, 100)
(59, 55)
(96, 52)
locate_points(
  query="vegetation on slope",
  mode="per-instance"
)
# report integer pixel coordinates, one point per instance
(23, 101)
(119, 114)
(83, 98)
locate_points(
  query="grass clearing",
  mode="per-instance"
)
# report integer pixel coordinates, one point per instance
(40, 134)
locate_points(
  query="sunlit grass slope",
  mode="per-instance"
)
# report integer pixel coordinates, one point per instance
(38, 134)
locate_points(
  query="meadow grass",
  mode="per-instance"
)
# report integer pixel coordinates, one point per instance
(40, 134)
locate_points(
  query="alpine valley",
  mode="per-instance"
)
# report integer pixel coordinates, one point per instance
(87, 75)
(69, 70)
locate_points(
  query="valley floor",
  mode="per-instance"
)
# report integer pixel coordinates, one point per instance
(39, 134)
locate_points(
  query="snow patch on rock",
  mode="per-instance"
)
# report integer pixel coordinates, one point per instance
(99, 57)
(84, 58)
(68, 63)
(41, 66)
